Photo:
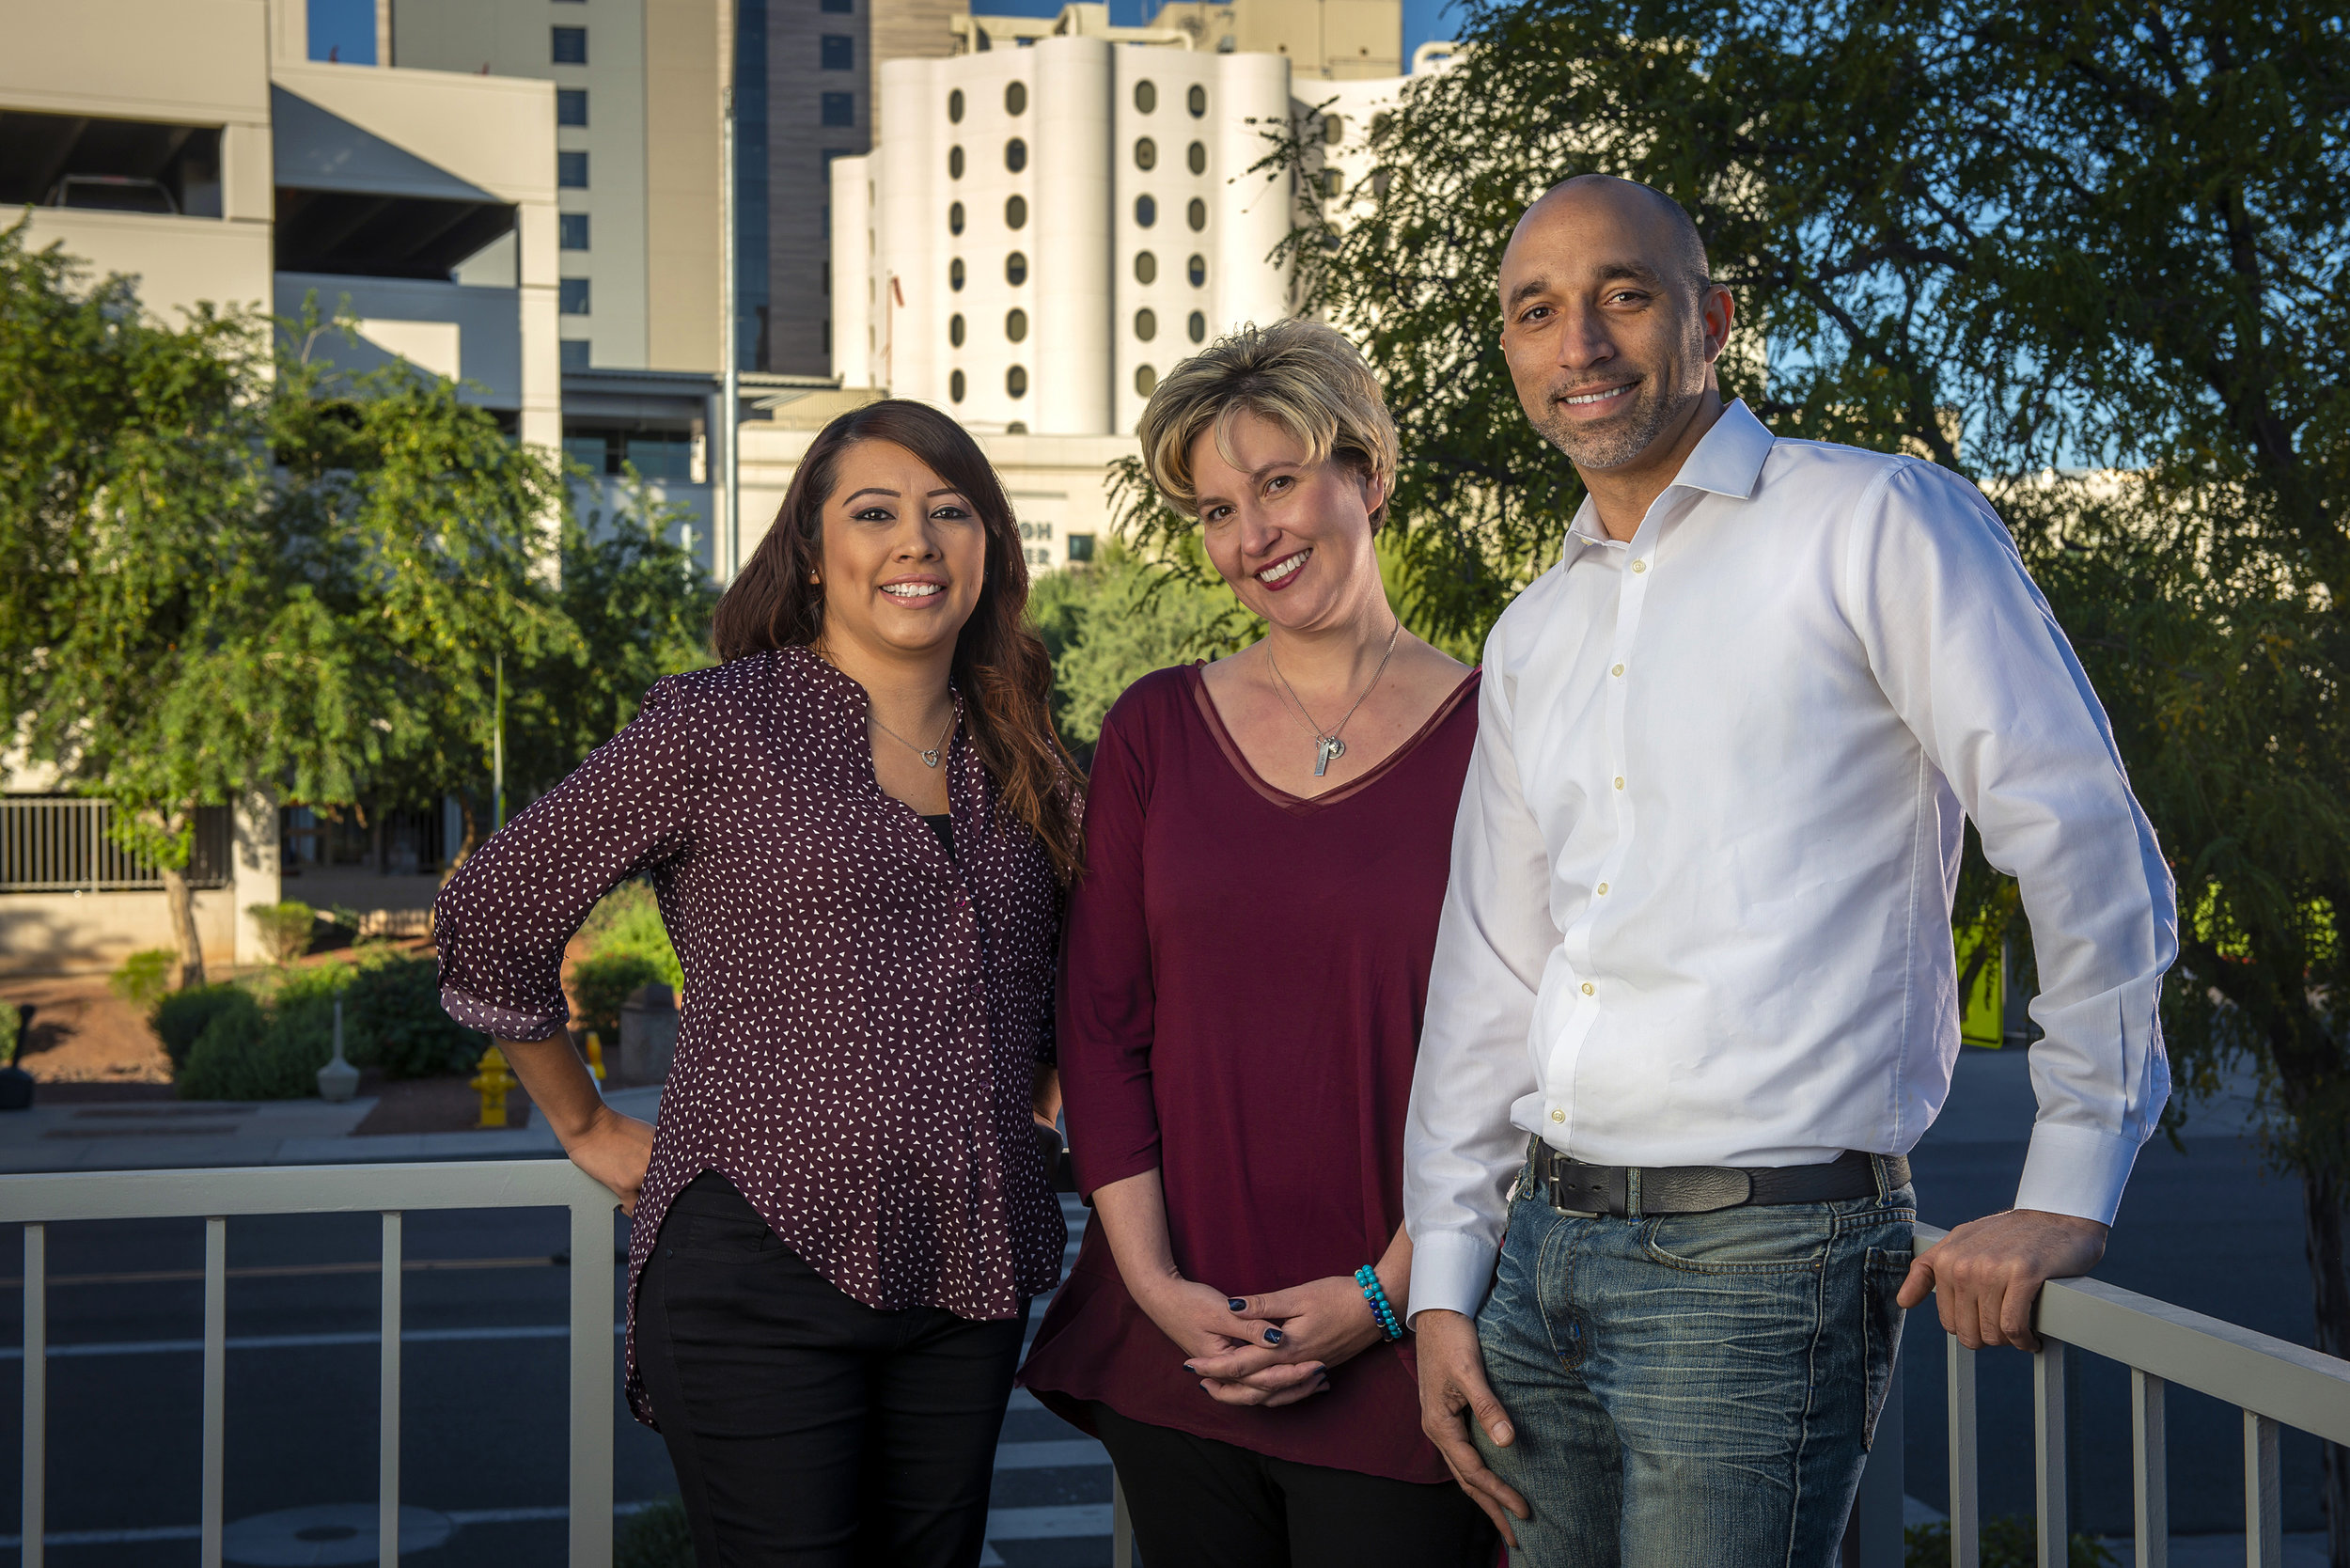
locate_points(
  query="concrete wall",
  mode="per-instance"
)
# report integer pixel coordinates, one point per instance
(72, 934)
(681, 184)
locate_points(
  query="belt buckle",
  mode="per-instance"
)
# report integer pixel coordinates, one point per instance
(1585, 1199)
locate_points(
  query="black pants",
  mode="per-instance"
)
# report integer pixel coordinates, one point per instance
(1199, 1503)
(807, 1429)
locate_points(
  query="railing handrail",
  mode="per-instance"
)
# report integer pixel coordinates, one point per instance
(234, 1191)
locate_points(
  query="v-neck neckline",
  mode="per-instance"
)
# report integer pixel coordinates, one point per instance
(1299, 806)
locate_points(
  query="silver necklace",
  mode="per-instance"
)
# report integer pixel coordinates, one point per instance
(1329, 748)
(930, 756)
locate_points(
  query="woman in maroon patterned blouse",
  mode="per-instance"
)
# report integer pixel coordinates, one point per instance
(858, 827)
(1266, 843)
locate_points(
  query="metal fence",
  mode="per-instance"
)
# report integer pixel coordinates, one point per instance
(218, 1196)
(62, 844)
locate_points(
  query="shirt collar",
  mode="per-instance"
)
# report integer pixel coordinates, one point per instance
(1727, 460)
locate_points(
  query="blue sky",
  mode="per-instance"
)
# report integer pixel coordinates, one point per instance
(348, 27)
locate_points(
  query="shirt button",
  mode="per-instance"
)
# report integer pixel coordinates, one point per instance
(1587, 988)
(1618, 670)
(1557, 1116)
(1602, 887)
(1638, 567)
(1618, 781)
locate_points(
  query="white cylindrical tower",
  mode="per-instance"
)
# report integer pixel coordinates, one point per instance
(910, 264)
(1069, 390)
(853, 291)
(1256, 209)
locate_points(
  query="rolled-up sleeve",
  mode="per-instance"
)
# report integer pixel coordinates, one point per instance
(1970, 655)
(503, 920)
(1492, 939)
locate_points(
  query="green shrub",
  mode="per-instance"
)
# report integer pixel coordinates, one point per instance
(392, 1019)
(142, 976)
(655, 1537)
(627, 920)
(12, 1026)
(2009, 1541)
(246, 1053)
(180, 1018)
(285, 928)
(602, 983)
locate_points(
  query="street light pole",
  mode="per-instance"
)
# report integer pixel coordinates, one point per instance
(497, 751)
(728, 544)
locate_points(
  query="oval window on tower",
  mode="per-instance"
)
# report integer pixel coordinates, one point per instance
(1146, 211)
(954, 273)
(1333, 130)
(1016, 213)
(1146, 97)
(1197, 270)
(954, 106)
(1146, 380)
(1198, 327)
(1016, 326)
(1198, 100)
(955, 387)
(1198, 213)
(1016, 98)
(954, 330)
(1016, 382)
(1146, 325)
(954, 217)
(1016, 269)
(1198, 157)
(954, 162)
(1146, 267)
(1146, 153)
(1015, 155)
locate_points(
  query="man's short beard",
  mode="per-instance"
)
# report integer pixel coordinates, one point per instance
(1620, 441)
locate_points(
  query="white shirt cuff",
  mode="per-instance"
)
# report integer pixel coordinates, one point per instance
(1451, 1271)
(2067, 1170)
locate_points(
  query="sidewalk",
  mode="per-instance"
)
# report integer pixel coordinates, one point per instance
(186, 1134)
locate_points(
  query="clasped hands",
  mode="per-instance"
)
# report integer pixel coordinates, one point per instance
(1267, 1350)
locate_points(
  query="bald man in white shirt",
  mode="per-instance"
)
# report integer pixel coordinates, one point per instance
(1694, 997)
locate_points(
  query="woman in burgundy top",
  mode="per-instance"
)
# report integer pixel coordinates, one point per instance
(1266, 844)
(858, 827)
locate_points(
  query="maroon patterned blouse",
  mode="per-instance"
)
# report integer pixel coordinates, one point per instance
(862, 1013)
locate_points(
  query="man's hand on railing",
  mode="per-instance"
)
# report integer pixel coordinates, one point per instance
(1985, 1275)
(1453, 1393)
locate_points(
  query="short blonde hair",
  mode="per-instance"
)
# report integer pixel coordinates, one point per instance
(1302, 375)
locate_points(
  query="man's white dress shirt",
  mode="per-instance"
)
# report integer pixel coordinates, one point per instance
(1702, 872)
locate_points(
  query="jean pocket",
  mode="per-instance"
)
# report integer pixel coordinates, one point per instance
(1885, 1270)
(1761, 1238)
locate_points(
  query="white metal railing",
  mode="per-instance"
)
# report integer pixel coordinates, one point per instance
(389, 1190)
(61, 844)
(2275, 1383)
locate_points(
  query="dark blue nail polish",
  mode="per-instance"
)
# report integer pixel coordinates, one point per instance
(1235, 1304)
(1189, 1368)
(1274, 1336)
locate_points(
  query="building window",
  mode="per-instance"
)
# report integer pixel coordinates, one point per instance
(1198, 327)
(1333, 183)
(1016, 213)
(954, 162)
(1146, 325)
(571, 170)
(1146, 211)
(1016, 382)
(1198, 157)
(839, 8)
(954, 217)
(1146, 153)
(1015, 155)
(954, 330)
(1197, 270)
(1333, 130)
(839, 108)
(570, 46)
(572, 229)
(575, 358)
(1197, 214)
(571, 105)
(1146, 267)
(836, 52)
(1016, 326)
(1080, 547)
(955, 387)
(1146, 97)
(1016, 98)
(955, 274)
(1016, 269)
(1198, 100)
(575, 296)
(954, 107)
(1146, 380)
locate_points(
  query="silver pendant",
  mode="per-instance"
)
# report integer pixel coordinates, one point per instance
(930, 757)
(1327, 751)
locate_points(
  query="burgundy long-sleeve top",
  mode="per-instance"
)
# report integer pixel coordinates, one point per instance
(1241, 1002)
(863, 1013)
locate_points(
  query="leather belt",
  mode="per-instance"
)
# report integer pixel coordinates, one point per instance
(1631, 1192)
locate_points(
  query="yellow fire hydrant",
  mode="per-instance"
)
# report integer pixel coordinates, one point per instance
(595, 1056)
(493, 1082)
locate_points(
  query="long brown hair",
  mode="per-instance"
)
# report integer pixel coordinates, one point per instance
(1000, 667)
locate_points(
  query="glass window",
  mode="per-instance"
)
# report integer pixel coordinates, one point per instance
(1146, 267)
(954, 106)
(1146, 97)
(1146, 325)
(839, 108)
(954, 330)
(839, 8)
(1197, 270)
(1015, 155)
(954, 162)
(1146, 153)
(1198, 327)
(1080, 547)
(1016, 269)
(954, 217)
(587, 450)
(573, 292)
(1146, 380)
(1016, 382)
(570, 46)
(1333, 183)
(955, 387)
(1016, 213)
(1016, 98)
(574, 354)
(571, 170)
(661, 454)
(1198, 100)
(1146, 211)
(1198, 157)
(571, 105)
(571, 230)
(836, 52)
(955, 274)
(1197, 214)
(1016, 326)
(1333, 130)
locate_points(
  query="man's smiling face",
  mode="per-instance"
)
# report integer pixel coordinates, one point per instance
(1605, 312)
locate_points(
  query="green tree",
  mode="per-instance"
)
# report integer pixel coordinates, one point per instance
(2094, 256)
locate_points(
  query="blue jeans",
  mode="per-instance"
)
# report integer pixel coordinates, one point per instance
(1692, 1390)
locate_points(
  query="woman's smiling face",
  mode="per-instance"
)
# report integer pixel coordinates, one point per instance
(905, 554)
(1293, 538)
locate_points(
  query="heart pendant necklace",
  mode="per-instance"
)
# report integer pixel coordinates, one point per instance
(930, 755)
(1329, 748)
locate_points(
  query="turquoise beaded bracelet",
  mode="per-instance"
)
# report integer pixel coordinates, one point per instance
(1380, 1309)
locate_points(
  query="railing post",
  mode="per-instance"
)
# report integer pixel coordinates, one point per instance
(1121, 1526)
(2264, 1501)
(1966, 1525)
(216, 1387)
(388, 1414)
(35, 1497)
(591, 1382)
(2149, 1471)
(2047, 1390)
